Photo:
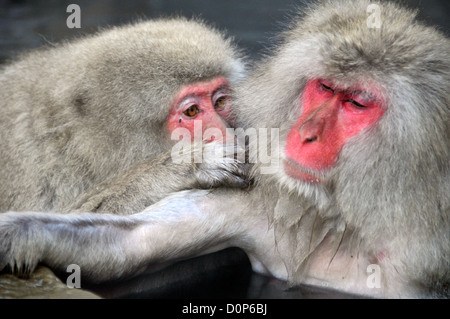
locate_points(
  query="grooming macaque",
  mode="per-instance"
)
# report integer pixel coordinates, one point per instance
(360, 201)
(91, 123)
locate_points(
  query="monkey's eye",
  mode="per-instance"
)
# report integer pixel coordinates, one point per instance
(192, 111)
(220, 102)
(327, 88)
(359, 105)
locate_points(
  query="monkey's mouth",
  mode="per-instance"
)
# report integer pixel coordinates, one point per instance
(301, 173)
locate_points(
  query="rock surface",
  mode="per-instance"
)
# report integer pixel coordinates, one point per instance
(42, 284)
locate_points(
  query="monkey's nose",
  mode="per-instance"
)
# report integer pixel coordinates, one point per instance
(311, 130)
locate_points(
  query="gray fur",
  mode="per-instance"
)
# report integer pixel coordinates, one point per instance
(82, 113)
(386, 201)
(391, 184)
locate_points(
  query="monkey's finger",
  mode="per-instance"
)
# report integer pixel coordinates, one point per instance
(217, 178)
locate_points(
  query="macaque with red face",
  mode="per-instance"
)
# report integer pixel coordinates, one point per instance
(92, 122)
(360, 201)
(207, 102)
(330, 116)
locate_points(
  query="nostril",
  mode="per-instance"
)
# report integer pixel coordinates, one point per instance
(311, 139)
(311, 130)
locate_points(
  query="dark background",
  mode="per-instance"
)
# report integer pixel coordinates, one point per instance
(27, 24)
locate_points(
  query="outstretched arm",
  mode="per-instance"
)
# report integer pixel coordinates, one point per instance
(107, 246)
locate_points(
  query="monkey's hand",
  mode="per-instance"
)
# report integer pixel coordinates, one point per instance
(98, 243)
(222, 165)
(21, 244)
(198, 166)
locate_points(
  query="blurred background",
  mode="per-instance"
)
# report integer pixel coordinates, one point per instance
(26, 24)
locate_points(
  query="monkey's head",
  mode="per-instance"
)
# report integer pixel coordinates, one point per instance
(362, 107)
(152, 77)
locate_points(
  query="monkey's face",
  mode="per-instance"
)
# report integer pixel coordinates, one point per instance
(204, 109)
(330, 116)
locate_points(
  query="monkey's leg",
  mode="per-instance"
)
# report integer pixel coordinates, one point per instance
(106, 246)
(151, 181)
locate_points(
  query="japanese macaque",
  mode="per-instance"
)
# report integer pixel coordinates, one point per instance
(360, 200)
(91, 122)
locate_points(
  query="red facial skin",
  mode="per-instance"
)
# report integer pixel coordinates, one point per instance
(208, 102)
(330, 117)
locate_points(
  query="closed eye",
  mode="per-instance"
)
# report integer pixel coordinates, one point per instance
(326, 87)
(355, 103)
